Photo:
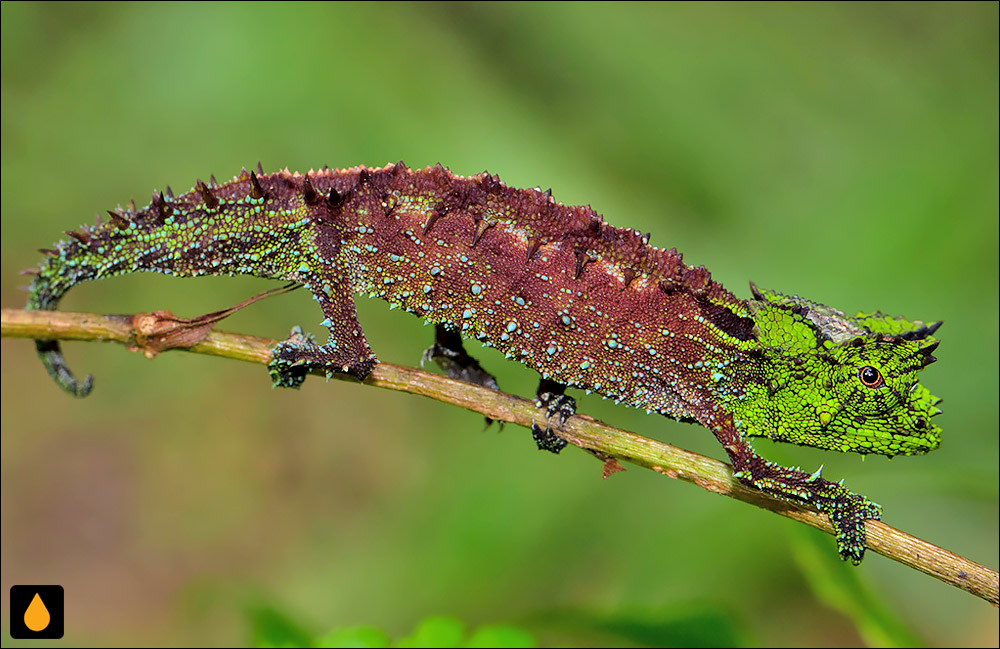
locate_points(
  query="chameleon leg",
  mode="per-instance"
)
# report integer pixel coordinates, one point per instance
(347, 351)
(450, 355)
(848, 511)
(552, 397)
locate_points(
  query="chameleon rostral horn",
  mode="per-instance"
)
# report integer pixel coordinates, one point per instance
(585, 304)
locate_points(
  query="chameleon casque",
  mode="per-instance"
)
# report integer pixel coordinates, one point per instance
(585, 304)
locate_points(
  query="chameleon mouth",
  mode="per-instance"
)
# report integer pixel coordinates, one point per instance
(930, 441)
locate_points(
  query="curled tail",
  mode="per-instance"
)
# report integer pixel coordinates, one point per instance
(212, 230)
(56, 276)
(65, 266)
(115, 248)
(51, 355)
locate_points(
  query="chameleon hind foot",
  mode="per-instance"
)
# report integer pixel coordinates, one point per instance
(449, 354)
(552, 397)
(294, 358)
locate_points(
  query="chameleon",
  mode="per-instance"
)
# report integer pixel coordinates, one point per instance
(584, 303)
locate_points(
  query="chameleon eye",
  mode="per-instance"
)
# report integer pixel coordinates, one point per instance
(871, 377)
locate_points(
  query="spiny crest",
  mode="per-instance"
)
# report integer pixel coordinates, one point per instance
(830, 323)
(335, 199)
(309, 194)
(544, 221)
(255, 189)
(483, 198)
(897, 327)
(837, 327)
(83, 236)
(210, 200)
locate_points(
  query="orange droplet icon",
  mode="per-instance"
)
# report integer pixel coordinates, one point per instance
(36, 617)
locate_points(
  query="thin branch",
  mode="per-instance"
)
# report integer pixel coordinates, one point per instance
(607, 443)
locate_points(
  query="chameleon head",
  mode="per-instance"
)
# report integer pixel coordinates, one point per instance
(880, 405)
(842, 383)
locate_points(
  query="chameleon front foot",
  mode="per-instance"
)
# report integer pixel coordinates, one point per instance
(848, 513)
(296, 357)
(847, 510)
(557, 405)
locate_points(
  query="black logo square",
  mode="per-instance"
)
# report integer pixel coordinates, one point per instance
(36, 612)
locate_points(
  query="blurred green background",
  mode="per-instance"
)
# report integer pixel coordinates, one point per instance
(844, 152)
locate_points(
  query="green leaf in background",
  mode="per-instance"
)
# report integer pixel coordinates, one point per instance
(436, 631)
(682, 624)
(499, 636)
(695, 627)
(270, 627)
(355, 636)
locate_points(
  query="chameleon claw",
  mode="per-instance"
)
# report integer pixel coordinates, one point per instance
(558, 406)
